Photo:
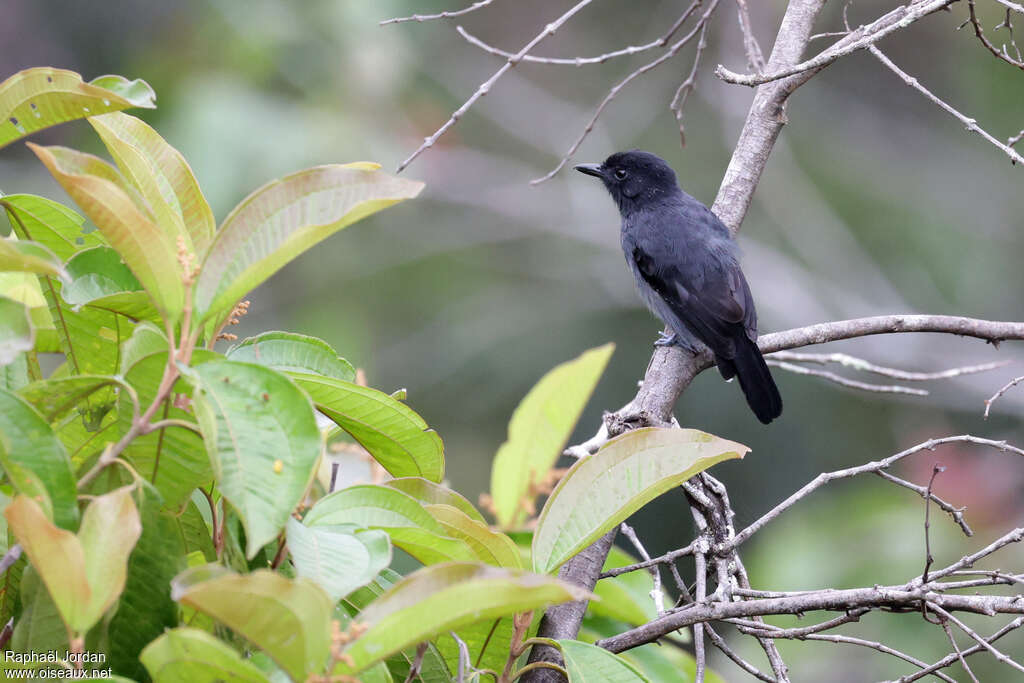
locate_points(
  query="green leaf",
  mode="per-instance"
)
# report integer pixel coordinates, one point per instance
(540, 427)
(34, 99)
(188, 655)
(284, 218)
(629, 471)
(626, 597)
(162, 176)
(444, 597)
(146, 339)
(587, 663)
(49, 223)
(146, 609)
(39, 627)
(31, 454)
(395, 435)
(100, 279)
(339, 559)
(263, 441)
(408, 524)
(427, 492)
(492, 547)
(54, 398)
(286, 351)
(173, 459)
(17, 335)
(148, 251)
(28, 257)
(84, 574)
(288, 618)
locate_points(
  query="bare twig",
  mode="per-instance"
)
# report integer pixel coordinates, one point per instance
(855, 363)
(1006, 387)
(862, 37)
(956, 513)
(928, 559)
(953, 657)
(875, 466)
(699, 560)
(977, 638)
(10, 557)
(657, 594)
(846, 382)
(969, 123)
(671, 52)
(1015, 139)
(956, 648)
(720, 643)
(441, 15)
(486, 86)
(667, 558)
(755, 58)
(583, 61)
(1001, 54)
(690, 84)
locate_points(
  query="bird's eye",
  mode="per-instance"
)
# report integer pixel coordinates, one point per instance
(620, 173)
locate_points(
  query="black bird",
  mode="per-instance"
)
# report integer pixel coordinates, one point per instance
(687, 269)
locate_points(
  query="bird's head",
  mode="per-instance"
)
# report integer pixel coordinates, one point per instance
(634, 179)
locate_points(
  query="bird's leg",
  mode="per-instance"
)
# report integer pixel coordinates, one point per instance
(668, 339)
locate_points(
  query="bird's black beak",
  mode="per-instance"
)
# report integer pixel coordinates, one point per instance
(590, 169)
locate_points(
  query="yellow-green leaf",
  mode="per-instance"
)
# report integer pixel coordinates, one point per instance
(37, 98)
(148, 251)
(189, 655)
(28, 257)
(286, 217)
(84, 574)
(445, 597)
(540, 427)
(162, 176)
(289, 619)
(599, 492)
(492, 547)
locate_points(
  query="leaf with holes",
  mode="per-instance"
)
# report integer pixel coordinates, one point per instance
(540, 427)
(284, 218)
(34, 99)
(394, 434)
(262, 439)
(289, 619)
(628, 472)
(49, 223)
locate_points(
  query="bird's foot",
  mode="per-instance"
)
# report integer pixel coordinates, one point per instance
(668, 339)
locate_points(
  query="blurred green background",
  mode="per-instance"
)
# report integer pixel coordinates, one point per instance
(874, 202)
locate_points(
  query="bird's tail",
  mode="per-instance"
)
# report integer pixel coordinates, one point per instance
(755, 379)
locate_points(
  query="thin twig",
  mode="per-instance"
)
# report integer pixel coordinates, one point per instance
(700, 567)
(689, 85)
(862, 37)
(1001, 54)
(952, 658)
(486, 86)
(928, 559)
(956, 648)
(855, 363)
(1006, 387)
(969, 123)
(755, 58)
(956, 513)
(10, 557)
(583, 61)
(442, 15)
(669, 54)
(875, 466)
(657, 594)
(978, 639)
(719, 642)
(846, 382)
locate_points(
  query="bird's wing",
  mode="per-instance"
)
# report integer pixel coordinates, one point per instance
(712, 299)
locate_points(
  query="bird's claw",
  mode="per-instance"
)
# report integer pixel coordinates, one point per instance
(667, 339)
